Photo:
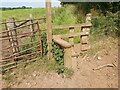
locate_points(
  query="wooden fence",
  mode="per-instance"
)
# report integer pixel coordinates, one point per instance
(70, 59)
(21, 41)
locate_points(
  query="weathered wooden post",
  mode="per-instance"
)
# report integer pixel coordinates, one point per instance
(12, 33)
(85, 38)
(71, 39)
(67, 57)
(32, 27)
(40, 39)
(49, 27)
(31, 22)
(71, 51)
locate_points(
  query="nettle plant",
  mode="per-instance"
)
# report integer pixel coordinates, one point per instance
(58, 53)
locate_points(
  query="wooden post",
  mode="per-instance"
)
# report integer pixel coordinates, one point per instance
(73, 60)
(32, 28)
(12, 34)
(85, 38)
(49, 27)
(71, 39)
(67, 57)
(31, 21)
(40, 39)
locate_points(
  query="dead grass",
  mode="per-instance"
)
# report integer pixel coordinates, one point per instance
(102, 44)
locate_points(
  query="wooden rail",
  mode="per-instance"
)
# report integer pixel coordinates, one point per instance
(24, 20)
(17, 63)
(10, 62)
(37, 52)
(72, 35)
(20, 45)
(20, 36)
(72, 26)
(17, 28)
(20, 52)
(61, 42)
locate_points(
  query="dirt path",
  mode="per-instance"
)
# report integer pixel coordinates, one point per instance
(83, 77)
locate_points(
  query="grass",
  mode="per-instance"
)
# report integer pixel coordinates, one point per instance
(20, 14)
(60, 16)
(98, 43)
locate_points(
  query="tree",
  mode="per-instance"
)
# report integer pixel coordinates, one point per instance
(100, 6)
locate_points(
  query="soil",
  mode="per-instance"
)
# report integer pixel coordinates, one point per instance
(85, 76)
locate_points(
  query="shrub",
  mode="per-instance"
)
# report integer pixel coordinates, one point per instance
(106, 25)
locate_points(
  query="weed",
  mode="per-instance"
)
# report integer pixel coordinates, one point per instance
(68, 72)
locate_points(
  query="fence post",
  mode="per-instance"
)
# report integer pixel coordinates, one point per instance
(12, 34)
(85, 38)
(31, 21)
(71, 39)
(67, 57)
(40, 39)
(32, 27)
(73, 59)
(49, 27)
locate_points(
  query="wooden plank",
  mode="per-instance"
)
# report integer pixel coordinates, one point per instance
(62, 42)
(72, 35)
(71, 26)
(49, 27)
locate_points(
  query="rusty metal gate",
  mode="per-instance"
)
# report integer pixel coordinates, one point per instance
(21, 41)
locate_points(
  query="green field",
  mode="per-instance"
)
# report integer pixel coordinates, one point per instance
(59, 15)
(20, 14)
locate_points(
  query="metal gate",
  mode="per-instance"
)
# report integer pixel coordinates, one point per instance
(21, 41)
